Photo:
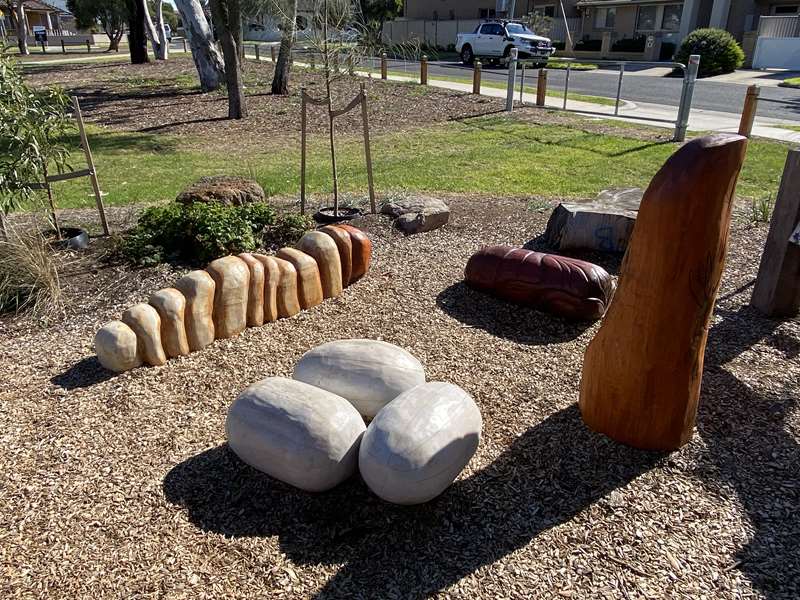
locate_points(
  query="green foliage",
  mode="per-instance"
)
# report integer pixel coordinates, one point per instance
(168, 12)
(111, 14)
(28, 276)
(201, 232)
(31, 123)
(762, 208)
(719, 52)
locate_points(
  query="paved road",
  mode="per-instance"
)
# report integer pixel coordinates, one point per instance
(710, 95)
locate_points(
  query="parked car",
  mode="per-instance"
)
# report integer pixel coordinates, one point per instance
(168, 32)
(493, 40)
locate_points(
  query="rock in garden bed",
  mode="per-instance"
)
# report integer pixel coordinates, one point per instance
(223, 189)
(418, 214)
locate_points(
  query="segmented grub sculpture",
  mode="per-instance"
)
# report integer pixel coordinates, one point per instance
(642, 371)
(232, 293)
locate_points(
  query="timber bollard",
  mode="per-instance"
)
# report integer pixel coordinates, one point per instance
(63, 47)
(258, 52)
(184, 45)
(44, 50)
(749, 110)
(541, 87)
(88, 47)
(384, 74)
(476, 77)
(423, 70)
(272, 53)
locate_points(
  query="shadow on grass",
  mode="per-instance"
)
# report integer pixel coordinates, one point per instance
(85, 373)
(110, 142)
(548, 475)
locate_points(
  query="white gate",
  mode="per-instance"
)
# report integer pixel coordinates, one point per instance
(777, 53)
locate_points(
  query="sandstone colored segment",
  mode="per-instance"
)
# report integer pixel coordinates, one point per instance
(287, 300)
(171, 307)
(146, 323)
(345, 246)
(232, 278)
(117, 348)
(362, 251)
(198, 289)
(309, 284)
(322, 248)
(272, 277)
(255, 295)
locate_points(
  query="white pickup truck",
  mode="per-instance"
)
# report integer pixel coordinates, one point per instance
(494, 40)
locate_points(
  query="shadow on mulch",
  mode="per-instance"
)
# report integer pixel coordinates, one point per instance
(548, 475)
(520, 324)
(84, 373)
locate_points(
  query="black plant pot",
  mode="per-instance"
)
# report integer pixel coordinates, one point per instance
(326, 214)
(73, 238)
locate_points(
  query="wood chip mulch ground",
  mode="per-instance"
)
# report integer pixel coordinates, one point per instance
(122, 486)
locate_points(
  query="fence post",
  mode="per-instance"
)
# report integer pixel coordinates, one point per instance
(682, 122)
(88, 47)
(184, 45)
(384, 74)
(749, 110)
(303, 110)
(258, 51)
(423, 70)
(63, 47)
(476, 77)
(512, 80)
(541, 87)
(619, 87)
(272, 53)
(777, 288)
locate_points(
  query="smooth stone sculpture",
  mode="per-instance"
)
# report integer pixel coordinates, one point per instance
(294, 432)
(146, 324)
(416, 446)
(323, 249)
(232, 278)
(309, 284)
(362, 251)
(272, 277)
(345, 246)
(642, 371)
(171, 307)
(198, 289)
(368, 373)
(117, 348)
(288, 301)
(564, 286)
(255, 293)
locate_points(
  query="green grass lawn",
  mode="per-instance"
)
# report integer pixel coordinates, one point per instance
(491, 155)
(793, 82)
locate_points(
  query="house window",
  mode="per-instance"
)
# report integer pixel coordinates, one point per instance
(604, 17)
(546, 11)
(789, 9)
(671, 21)
(646, 20)
(486, 13)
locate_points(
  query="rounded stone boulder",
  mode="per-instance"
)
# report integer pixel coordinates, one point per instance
(117, 348)
(171, 307)
(323, 249)
(198, 288)
(222, 189)
(416, 446)
(368, 373)
(294, 432)
(231, 276)
(146, 323)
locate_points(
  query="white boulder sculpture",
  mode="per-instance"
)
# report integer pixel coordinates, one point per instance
(368, 373)
(419, 443)
(297, 433)
(116, 347)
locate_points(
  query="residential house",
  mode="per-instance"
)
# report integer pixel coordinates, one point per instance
(39, 14)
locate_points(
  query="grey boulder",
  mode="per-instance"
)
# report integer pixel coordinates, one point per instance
(418, 214)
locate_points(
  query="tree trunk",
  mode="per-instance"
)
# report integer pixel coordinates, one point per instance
(137, 40)
(22, 28)
(222, 11)
(280, 82)
(163, 42)
(205, 53)
(152, 33)
(642, 371)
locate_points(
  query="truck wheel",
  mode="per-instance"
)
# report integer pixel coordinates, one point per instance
(467, 57)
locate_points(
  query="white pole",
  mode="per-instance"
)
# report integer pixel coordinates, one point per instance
(566, 27)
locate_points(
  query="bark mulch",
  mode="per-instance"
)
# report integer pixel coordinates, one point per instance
(121, 486)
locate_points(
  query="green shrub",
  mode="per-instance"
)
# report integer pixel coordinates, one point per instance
(201, 232)
(719, 52)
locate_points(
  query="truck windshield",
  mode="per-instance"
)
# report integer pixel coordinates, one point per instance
(517, 28)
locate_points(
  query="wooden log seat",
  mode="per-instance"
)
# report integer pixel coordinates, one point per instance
(557, 284)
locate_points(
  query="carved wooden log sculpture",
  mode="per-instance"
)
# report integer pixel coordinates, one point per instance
(564, 286)
(642, 371)
(345, 246)
(362, 251)
(288, 302)
(309, 284)
(232, 278)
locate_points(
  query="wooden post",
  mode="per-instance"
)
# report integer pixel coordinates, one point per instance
(367, 151)
(44, 49)
(88, 47)
(272, 53)
(541, 87)
(63, 47)
(258, 52)
(98, 197)
(749, 110)
(642, 371)
(777, 289)
(476, 77)
(384, 69)
(184, 45)
(423, 70)
(303, 111)
(51, 201)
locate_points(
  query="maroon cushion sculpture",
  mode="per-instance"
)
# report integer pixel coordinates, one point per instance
(564, 286)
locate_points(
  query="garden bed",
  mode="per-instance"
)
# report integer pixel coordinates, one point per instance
(122, 486)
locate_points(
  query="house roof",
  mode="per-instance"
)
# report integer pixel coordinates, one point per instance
(41, 6)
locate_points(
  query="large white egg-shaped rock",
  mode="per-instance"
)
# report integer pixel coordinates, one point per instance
(419, 443)
(295, 432)
(369, 373)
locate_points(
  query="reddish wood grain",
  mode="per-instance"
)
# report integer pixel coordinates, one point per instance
(362, 251)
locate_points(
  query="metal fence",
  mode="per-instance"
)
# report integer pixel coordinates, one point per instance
(779, 27)
(684, 107)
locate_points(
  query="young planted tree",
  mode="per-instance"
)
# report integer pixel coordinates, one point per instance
(111, 14)
(206, 55)
(227, 17)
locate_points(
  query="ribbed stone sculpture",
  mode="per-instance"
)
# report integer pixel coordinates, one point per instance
(309, 284)
(171, 307)
(322, 248)
(232, 278)
(117, 348)
(146, 324)
(198, 289)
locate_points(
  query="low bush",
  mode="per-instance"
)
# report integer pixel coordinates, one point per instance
(719, 52)
(28, 276)
(201, 232)
(589, 45)
(633, 44)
